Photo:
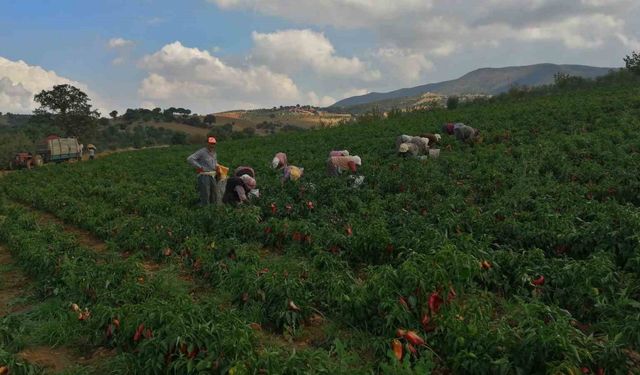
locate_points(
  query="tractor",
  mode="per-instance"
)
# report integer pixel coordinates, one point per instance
(25, 160)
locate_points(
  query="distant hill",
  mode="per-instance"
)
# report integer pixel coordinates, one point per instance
(490, 81)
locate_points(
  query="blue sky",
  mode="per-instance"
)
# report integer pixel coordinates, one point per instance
(213, 55)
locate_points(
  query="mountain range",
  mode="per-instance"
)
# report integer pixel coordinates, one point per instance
(488, 81)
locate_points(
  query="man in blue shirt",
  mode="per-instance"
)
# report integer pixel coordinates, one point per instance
(205, 161)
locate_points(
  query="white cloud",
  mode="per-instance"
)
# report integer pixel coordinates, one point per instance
(402, 65)
(341, 13)
(118, 61)
(290, 51)
(19, 82)
(184, 76)
(120, 43)
(442, 29)
(315, 100)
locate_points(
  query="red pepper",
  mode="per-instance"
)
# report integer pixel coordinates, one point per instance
(452, 294)
(148, 333)
(274, 208)
(539, 281)
(297, 236)
(138, 334)
(310, 205)
(585, 370)
(412, 349)
(403, 302)
(193, 353)
(434, 302)
(414, 339)
(426, 323)
(116, 323)
(288, 207)
(268, 230)
(397, 349)
(390, 249)
(109, 331)
(600, 371)
(349, 230)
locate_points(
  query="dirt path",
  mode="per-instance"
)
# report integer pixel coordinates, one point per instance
(14, 285)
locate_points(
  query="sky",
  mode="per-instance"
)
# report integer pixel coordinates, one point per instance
(216, 55)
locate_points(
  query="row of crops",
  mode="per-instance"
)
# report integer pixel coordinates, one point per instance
(517, 255)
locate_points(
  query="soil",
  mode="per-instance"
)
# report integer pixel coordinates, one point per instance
(13, 284)
(56, 360)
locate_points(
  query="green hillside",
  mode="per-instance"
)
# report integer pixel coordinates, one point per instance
(518, 255)
(489, 81)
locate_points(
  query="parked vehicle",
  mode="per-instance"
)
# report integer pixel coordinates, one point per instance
(56, 149)
(25, 160)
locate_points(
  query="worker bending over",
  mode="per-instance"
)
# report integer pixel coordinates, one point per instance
(279, 161)
(336, 164)
(238, 189)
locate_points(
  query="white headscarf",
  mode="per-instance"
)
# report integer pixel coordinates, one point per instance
(357, 160)
(249, 181)
(275, 162)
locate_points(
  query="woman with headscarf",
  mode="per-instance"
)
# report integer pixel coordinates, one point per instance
(292, 173)
(279, 161)
(238, 188)
(336, 164)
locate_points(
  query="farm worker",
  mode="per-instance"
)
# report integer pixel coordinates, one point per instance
(279, 161)
(433, 138)
(92, 152)
(336, 164)
(450, 128)
(238, 188)
(244, 170)
(205, 161)
(81, 150)
(402, 139)
(466, 133)
(339, 153)
(293, 173)
(408, 149)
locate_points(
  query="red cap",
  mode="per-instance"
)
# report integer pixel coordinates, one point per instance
(211, 140)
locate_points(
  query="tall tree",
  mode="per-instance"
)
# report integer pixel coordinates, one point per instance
(632, 63)
(69, 109)
(113, 114)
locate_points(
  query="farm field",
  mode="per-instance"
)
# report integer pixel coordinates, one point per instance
(518, 255)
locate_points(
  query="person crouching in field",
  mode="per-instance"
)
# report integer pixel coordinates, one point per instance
(339, 153)
(291, 173)
(433, 138)
(336, 164)
(244, 170)
(238, 189)
(205, 161)
(464, 133)
(279, 161)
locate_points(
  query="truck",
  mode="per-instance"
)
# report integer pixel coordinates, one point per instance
(57, 149)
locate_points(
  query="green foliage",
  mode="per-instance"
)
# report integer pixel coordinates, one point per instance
(452, 102)
(632, 62)
(69, 109)
(551, 191)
